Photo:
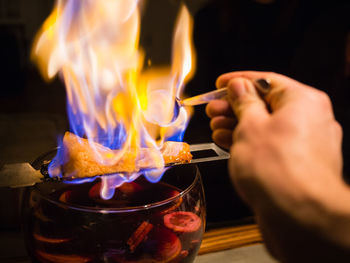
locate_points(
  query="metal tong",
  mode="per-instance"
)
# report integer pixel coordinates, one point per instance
(23, 174)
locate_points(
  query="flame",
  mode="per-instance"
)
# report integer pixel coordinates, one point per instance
(112, 101)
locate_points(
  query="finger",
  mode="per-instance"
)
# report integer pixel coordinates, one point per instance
(219, 107)
(223, 138)
(224, 79)
(245, 100)
(283, 89)
(222, 122)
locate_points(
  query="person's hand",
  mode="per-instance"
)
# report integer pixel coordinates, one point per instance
(286, 164)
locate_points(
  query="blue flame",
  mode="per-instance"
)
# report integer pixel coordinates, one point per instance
(154, 176)
(177, 137)
(81, 180)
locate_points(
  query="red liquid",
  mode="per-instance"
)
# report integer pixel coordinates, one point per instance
(170, 232)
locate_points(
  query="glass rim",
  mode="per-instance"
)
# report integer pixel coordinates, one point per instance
(110, 210)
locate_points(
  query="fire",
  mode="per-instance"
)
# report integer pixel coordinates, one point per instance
(112, 100)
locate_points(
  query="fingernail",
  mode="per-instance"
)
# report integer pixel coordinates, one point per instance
(263, 86)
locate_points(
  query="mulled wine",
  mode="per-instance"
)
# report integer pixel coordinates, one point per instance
(142, 222)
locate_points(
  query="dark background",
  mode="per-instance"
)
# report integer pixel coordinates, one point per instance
(306, 40)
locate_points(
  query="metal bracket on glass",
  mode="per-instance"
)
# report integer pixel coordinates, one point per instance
(207, 152)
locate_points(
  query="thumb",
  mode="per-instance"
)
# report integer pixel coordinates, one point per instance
(245, 100)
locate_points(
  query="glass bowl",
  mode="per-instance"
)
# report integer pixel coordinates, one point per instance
(142, 222)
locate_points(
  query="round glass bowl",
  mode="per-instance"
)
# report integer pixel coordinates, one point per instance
(142, 222)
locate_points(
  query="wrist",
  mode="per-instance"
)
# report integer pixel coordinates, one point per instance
(322, 207)
(336, 203)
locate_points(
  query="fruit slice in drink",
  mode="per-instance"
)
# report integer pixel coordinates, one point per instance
(182, 221)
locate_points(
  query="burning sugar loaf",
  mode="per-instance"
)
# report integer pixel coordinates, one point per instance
(120, 112)
(81, 162)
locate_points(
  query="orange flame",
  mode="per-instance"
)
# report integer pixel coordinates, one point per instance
(94, 46)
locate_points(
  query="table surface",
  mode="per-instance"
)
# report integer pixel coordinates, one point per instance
(235, 244)
(247, 254)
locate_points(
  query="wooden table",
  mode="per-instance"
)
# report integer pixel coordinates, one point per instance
(234, 244)
(229, 238)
